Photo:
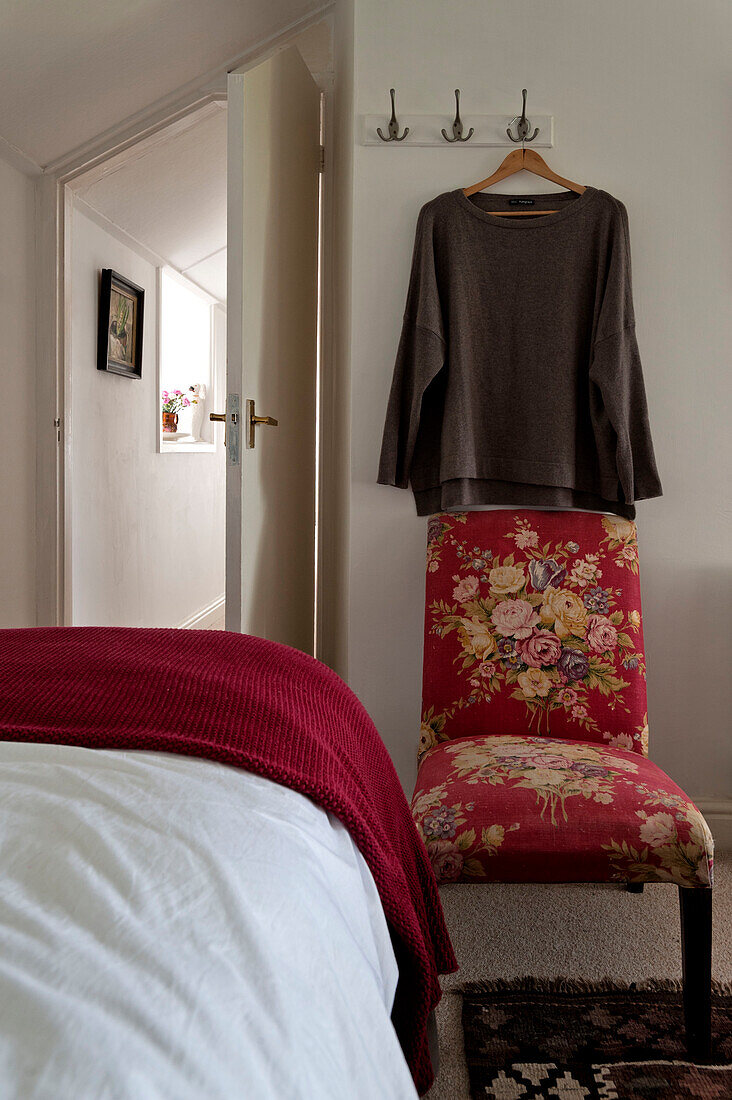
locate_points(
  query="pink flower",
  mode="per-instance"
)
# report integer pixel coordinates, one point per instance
(567, 697)
(619, 740)
(540, 648)
(546, 761)
(465, 589)
(658, 829)
(579, 712)
(515, 618)
(585, 571)
(487, 669)
(447, 860)
(525, 538)
(601, 634)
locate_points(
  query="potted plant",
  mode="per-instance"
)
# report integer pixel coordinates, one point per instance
(173, 402)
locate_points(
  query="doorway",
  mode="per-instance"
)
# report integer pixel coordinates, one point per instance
(154, 553)
(147, 490)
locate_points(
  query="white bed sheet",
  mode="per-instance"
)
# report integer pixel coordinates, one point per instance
(172, 928)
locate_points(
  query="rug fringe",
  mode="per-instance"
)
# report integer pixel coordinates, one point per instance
(530, 984)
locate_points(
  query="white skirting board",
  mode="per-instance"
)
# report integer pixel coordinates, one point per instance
(718, 814)
(210, 617)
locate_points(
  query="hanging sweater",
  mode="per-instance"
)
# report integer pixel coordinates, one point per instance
(518, 379)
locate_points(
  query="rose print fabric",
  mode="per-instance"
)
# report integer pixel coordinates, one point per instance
(532, 809)
(533, 626)
(534, 738)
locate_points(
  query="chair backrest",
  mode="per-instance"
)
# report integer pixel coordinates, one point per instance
(533, 626)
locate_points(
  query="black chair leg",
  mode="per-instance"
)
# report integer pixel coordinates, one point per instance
(635, 887)
(696, 951)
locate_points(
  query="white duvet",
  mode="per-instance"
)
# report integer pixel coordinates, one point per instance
(171, 929)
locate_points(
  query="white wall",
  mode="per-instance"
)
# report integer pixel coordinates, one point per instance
(633, 88)
(17, 390)
(147, 528)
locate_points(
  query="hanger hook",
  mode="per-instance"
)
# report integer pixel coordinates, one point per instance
(393, 127)
(522, 124)
(457, 126)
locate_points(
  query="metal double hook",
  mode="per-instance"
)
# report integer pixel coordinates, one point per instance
(522, 124)
(393, 126)
(457, 126)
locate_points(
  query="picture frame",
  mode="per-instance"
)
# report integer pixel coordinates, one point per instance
(121, 314)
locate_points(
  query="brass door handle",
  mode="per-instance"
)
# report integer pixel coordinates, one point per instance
(253, 420)
(223, 418)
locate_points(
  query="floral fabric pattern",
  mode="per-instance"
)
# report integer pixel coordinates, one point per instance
(531, 809)
(533, 626)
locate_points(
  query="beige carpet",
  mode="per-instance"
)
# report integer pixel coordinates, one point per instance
(588, 932)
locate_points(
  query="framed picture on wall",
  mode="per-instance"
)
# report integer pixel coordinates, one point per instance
(119, 344)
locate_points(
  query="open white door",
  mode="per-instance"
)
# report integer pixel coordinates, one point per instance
(272, 302)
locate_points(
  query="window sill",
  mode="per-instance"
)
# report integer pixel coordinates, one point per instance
(181, 443)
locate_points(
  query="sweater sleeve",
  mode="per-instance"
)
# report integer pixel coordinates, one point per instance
(618, 403)
(420, 358)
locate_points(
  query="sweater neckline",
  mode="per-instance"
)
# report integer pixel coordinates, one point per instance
(568, 203)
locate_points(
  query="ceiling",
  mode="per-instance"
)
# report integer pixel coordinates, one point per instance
(170, 196)
(72, 69)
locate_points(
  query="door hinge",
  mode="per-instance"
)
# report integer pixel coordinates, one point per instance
(57, 426)
(321, 167)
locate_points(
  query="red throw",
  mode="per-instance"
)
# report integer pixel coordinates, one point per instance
(255, 705)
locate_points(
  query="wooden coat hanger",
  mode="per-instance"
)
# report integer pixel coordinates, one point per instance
(526, 160)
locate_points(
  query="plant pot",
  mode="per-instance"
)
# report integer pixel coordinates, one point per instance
(170, 422)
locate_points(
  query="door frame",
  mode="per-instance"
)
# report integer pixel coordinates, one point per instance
(54, 412)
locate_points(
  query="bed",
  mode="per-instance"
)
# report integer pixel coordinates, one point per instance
(175, 924)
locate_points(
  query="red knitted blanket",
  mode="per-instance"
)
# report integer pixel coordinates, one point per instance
(259, 706)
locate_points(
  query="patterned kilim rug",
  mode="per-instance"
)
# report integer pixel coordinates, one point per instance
(528, 1040)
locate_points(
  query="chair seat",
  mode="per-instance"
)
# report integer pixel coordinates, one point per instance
(495, 808)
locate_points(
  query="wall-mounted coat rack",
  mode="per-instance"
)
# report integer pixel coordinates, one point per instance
(482, 130)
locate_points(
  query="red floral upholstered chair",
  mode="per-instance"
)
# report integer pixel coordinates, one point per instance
(533, 750)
